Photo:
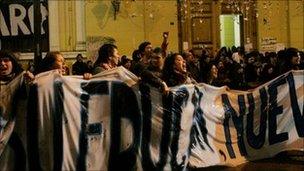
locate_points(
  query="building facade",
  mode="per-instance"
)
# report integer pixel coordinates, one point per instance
(81, 26)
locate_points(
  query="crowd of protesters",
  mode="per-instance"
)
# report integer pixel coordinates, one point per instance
(239, 70)
(231, 66)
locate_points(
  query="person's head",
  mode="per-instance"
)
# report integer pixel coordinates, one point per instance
(175, 63)
(107, 53)
(292, 56)
(52, 60)
(267, 70)
(125, 62)
(145, 48)
(223, 51)
(241, 50)
(136, 55)
(174, 71)
(79, 58)
(205, 56)
(212, 71)
(157, 60)
(221, 65)
(188, 56)
(90, 64)
(228, 60)
(273, 58)
(233, 49)
(281, 55)
(8, 65)
(250, 60)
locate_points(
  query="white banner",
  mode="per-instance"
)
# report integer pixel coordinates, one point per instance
(111, 122)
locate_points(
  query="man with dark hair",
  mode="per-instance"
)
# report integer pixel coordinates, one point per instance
(145, 50)
(157, 62)
(192, 65)
(108, 58)
(291, 60)
(79, 67)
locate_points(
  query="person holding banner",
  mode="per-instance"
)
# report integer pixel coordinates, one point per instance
(290, 60)
(108, 58)
(55, 60)
(52, 60)
(9, 67)
(175, 72)
(12, 87)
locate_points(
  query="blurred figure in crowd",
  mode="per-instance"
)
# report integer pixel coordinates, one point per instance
(79, 67)
(30, 66)
(90, 65)
(212, 75)
(192, 65)
(125, 62)
(152, 73)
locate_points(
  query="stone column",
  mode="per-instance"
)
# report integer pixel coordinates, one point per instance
(80, 25)
(53, 26)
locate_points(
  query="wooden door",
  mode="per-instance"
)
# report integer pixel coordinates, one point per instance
(199, 24)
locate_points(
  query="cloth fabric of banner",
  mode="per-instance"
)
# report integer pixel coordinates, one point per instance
(12, 123)
(74, 120)
(112, 122)
(226, 127)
